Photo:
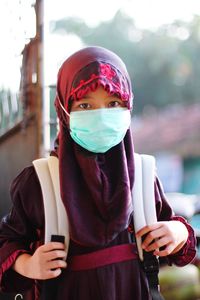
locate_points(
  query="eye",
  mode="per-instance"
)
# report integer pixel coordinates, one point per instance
(115, 103)
(84, 106)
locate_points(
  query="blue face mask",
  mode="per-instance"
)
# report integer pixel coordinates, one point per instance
(99, 130)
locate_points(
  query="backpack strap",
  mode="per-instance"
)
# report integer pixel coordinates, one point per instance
(144, 210)
(62, 218)
(144, 213)
(56, 220)
(50, 209)
(138, 205)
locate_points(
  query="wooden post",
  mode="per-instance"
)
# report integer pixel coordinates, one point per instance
(39, 84)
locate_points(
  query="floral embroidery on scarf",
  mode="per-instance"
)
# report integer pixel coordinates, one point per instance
(107, 71)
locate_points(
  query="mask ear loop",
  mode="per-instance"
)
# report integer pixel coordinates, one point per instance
(63, 107)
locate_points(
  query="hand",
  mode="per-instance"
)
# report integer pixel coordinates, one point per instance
(46, 262)
(171, 235)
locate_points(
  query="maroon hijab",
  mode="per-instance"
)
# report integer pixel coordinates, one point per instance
(95, 188)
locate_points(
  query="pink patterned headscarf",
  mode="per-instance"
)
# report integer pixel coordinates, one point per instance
(88, 69)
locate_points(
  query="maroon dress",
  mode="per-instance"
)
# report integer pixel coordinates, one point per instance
(22, 229)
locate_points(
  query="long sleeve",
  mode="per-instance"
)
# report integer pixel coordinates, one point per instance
(20, 230)
(164, 213)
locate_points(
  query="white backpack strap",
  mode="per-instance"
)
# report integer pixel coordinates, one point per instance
(56, 220)
(148, 175)
(138, 205)
(144, 210)
(63, 223)
(50, 209)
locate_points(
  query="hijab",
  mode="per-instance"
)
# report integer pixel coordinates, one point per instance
(95, 188)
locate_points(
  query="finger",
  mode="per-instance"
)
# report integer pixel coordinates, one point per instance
(153, 235)
(55, 254)
(53, 273)
(158, 244)
(167, 251)
(52, 246)
(57, 264)
(148, 228)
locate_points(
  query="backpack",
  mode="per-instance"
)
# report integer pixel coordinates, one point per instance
(144, 210)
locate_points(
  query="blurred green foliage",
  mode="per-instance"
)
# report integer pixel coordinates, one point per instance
(163, 64)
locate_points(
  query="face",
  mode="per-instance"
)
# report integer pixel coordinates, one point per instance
(98, 99)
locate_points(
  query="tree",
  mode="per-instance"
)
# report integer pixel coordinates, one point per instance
(163, 65)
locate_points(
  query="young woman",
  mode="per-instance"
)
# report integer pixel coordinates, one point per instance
(96, 163)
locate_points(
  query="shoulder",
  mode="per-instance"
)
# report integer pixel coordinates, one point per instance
(25, 181)
(26, 195)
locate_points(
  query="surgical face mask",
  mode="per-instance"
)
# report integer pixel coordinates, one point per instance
(99, 130)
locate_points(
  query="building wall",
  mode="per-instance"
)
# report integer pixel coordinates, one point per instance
(17, 150)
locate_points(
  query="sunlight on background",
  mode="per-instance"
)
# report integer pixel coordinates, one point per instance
(147, 14)
(17, 26)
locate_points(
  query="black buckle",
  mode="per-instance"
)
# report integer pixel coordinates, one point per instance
(150, 265)
(151, 269)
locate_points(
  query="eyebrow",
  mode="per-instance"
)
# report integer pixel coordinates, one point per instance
(85, 97)
(114, 96)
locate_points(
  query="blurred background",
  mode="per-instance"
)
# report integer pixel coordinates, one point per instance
(160, 43)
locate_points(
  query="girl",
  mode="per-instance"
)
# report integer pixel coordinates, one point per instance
(96, 162)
